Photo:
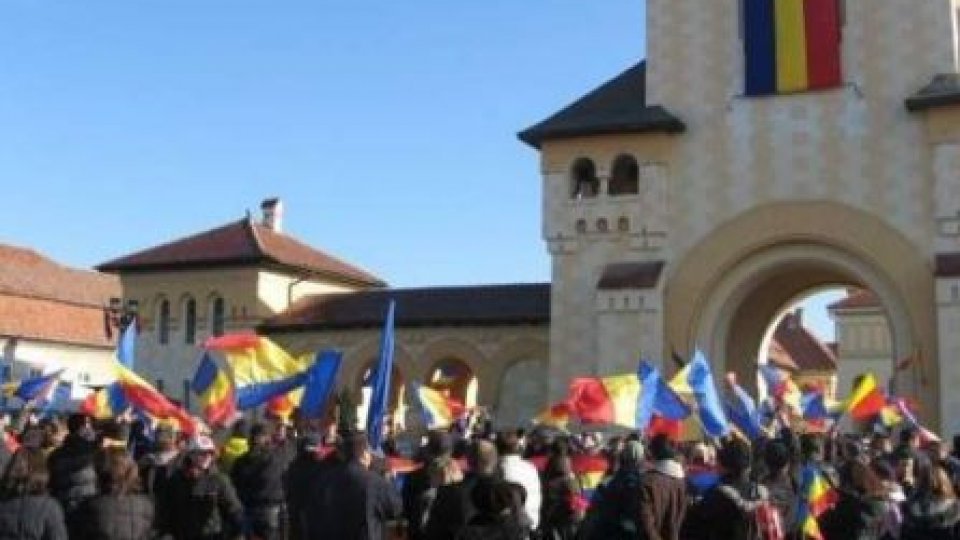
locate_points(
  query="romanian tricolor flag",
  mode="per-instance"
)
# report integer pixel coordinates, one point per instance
(107, 402)
(557, 416)
(439, 410)
(816, 497)
(215, 391)
(606, 400)
(696, 379)
(782, 387)
(791, 45)
(143, 396)
(867, 399)
(261, 369)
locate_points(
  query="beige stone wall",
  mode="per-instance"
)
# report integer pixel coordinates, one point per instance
(278, 290)
(83, 365)
(492, 353)
(764, 198)
(864, 346)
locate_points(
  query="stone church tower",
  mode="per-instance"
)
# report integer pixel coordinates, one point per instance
(764, 149)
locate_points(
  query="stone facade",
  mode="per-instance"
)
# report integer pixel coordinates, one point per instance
(762, 199)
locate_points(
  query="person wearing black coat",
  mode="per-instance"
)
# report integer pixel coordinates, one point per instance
(201, 503)
(26, 511)
(299, 477)
(120, 512)
(73, 478)
(498, 514)
(348, 500)
(258, 479)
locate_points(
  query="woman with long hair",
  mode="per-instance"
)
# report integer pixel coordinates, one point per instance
(120, 511)
(27, 512)
(561, 513)
(861, 506)
(932, 513)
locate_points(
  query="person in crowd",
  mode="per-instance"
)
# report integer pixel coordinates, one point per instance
(729, 510)
(932, 513)
(348, 500)
(482, 462)
(893, 515)
(448, 511)
(302, 473)
(497, 515)
(521, 472)
(780, 484)
(615, 510)
(73, 478)
(417, 490)
(562, 511)
(258, 478)
(120, 511)
(199, 502)
(701, 470)
(663, 493)
(158, 465)
(861, 505)
(53, 433)
(236, 445)
(27, 512)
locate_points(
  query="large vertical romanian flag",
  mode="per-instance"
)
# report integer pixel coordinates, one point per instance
(791, 45)
(261, 369)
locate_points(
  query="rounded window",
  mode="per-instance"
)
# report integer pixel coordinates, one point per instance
(625, 179)
(585, 181)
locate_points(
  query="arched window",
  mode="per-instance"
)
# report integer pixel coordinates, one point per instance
(625, 179)
(218, 316)
(164, 322)
(585, 181)
(190, 322)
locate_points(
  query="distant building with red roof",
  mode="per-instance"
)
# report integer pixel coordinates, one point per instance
(52, 317)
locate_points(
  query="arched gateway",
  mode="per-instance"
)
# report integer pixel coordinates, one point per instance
(757, 185)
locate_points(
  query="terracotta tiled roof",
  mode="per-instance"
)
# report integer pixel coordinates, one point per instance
(639, 275)
(437, 306)
(237, 243)
(40, 299)
(794, 348)
(617, 106)
(858, 299)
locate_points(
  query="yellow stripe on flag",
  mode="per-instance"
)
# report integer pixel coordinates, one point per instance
(624, 392)
(791, 46)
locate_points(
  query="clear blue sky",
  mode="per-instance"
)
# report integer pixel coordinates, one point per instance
(387, 127)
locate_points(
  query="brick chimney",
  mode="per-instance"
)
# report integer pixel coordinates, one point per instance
(272, 209)
(796, 319)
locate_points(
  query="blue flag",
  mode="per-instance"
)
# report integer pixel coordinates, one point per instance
(321, 379)
(380, 386)
(127, 346)
(742, 410)
(656, 396)
(38, 388)
(700, 380)
(60, 400)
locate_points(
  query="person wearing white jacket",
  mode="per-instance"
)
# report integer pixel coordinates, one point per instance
(520, 471)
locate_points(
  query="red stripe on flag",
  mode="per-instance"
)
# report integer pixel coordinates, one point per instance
(822, 20)
(869, 406)
(590, 401)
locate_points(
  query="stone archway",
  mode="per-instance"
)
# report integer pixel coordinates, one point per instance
(762, 259)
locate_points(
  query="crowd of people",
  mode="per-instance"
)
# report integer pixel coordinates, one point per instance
(79, 479)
